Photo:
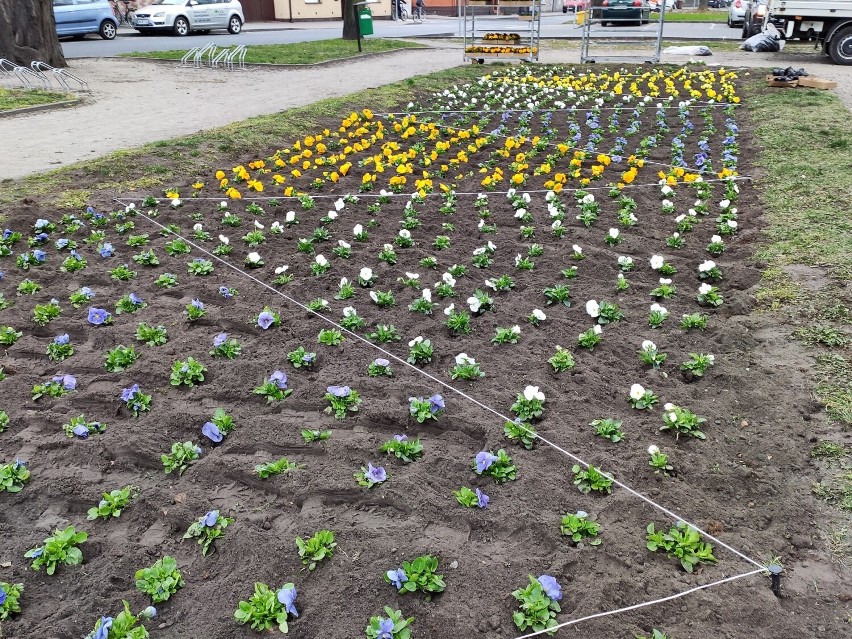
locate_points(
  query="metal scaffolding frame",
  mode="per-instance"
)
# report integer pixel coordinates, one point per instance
(621, 32)
(530, 34)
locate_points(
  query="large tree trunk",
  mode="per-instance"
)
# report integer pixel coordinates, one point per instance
(702, 5)
(350, 24)
(28, 32)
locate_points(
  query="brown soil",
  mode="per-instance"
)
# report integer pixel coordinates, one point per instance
(748, 483)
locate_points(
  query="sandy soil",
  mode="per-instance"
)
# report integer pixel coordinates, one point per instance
(132, 102)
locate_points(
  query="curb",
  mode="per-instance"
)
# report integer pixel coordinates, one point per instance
(40, 107)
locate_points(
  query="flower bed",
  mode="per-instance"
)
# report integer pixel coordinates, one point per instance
(320, 473)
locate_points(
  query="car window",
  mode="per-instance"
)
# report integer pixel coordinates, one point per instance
(62, 3)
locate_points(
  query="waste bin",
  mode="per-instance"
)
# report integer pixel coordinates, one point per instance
(365, 21)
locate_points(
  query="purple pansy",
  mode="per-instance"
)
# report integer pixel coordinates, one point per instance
(375, 474)
(220, 339)
(287, 598)
(106, 250)
(279, 378)
(484, 459)
(61, 243)
(196, 303)
(385, 628)
(98, 316)
(209, 520)
(381, 361)
(265, 319)
(135, 299)
(81, 430)
(61, 339)
(339, 391)
(436, 403)
(37, 552)
(129, 393)
(482, 499)
(550, 586)
(225, 292)
(89, 293)
(211, 431)
(69, 382)
(2, 596)
(397, 577)
(103, 629)
(400, 438)
(39, 255)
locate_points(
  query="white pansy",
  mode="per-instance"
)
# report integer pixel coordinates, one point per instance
(624, 260)
(197, 227)
(648, 345)
(343, 244)
(290, 217)
(320, 259)
(550, 195)
(680, 218)
(349, 311)
(490, 283)
(657, 261)
(539, 314)
(416, 340)
(724, 204)
(339, 204)
(556, 224)
(463, 359)
(665, 280)
(637, 392)
(675, 234)
(374, 296)
(672, 417)
(344, 281)
(588, 199)
(331, 215)
(223, 205)
(711, 358)
(449, 309)
(593, 308)
(281, 269)
(668, 406)
(479, 251)
(666, 190)
(516, 329)
(520, 213)
(666, 204)
(223, 239)
(357, 229)
(405, 234)
(532, 392)
(258, 225)
(704, 289)
(653, 449)
(276, 227)
(510, 193)
(716, 239)
(582, 514)
(597, 329)
(706, 265)
(732, 224)
(473, 303)
(659, 309)
(253, 258)
(526, 198)
(427, 294)
(491, 246)
(448, 279)
(481, 224)
(613, 233)
(577, 249)
(412, 276)
(176, 202)
(366, 273)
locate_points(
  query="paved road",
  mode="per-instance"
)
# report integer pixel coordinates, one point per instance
(553, 26)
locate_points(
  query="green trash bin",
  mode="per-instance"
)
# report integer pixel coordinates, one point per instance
(365, 21)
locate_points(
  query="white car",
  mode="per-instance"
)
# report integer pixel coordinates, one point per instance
(656, 4)
(736, 13)
(182, 16)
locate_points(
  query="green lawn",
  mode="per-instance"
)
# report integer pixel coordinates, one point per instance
(697, 16)
(297, 53)
(19, 98)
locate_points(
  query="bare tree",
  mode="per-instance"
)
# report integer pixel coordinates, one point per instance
(350, 18)
(28, 32)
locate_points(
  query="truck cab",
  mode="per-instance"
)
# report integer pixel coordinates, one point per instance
(828, 24)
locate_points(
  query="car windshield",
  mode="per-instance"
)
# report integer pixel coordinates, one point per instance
(172, 2)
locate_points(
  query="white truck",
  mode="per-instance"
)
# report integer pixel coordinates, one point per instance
(828, 24)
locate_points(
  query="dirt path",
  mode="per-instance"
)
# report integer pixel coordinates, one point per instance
(133, 102)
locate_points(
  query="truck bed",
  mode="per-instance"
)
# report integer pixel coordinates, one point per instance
(811, 8)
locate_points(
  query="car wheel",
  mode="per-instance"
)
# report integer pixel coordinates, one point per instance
(181, 26)
(107, 30)
(730, 24)
(235, 25)
(564, 9)
(840, 47)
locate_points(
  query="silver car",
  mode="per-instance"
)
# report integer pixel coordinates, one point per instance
(182, 16)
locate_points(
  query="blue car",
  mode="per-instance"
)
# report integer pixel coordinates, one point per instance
(81, 17)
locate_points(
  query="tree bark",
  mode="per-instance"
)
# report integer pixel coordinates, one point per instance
(28, 33)
(702, 5)
(350, 23)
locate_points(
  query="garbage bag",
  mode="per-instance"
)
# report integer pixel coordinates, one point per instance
(698, 51)
(761, 42)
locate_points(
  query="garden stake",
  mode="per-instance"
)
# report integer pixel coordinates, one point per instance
(775, 574)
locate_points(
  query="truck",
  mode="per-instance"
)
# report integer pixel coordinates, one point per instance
(827, 24)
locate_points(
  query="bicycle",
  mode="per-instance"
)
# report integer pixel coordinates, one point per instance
(401, 11)
(417, 11)
(129, 15)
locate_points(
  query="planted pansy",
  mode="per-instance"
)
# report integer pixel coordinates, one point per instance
(642, 398)
(351, 320)
(648, 354)
(379, 367)
(207, 529)
(98, 316)
(407, 450)
(577, 252)
(320, 265)
(135, 400)
(536, 317)
(716, 245)
(366, 277)
(590, 338)
(180, 457)
(81, 296)
(253, 260)
(536, 608)
(195, 310)
(659, 461)
(341, 399)
(394, 626)
(613, 237)
(499, 466)
(466, 368)
(187, 372)
(60, 348)
(274, 388)
(708, 270)
(709, 295)
(420, 351)
(81, 427)
(658, 314)
(57, 386)
(426, 408)
(371, 475)
(682, 421)
(267, 318)
(529, 404)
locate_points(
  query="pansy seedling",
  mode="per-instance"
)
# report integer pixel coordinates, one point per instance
(207, 529)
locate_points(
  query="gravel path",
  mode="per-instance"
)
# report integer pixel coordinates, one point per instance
(133, 102)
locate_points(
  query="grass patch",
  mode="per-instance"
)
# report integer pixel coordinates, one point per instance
(828, 450)
(20, 98)
(822, 335)
(834, 388)
(296, 53)
(697, 16)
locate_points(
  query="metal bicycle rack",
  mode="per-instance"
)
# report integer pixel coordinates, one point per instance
(621, 33)
(229, 59)
(62, 76)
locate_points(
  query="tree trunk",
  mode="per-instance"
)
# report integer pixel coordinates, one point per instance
(28, 32)
(350, 23)
(702, 5)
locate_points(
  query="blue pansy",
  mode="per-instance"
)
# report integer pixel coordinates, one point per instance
(209, 520)
(220, 339)
(287, 598)
(98, 316)
(397, 577)
(103, 628)
(375, 474)
(385, 628)
(106, 250)
(484, 459)
(482, 499)
(39, 255)
(436, 403)
(265, 320)
(339, 391)
(211, 431)
(551, 588)
(61, 339)
(81, 430)
(279, 378)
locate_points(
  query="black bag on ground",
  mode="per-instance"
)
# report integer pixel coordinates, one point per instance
(761, 42)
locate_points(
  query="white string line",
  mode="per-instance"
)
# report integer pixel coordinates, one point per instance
(644, 604)
(485, 407)
(626, 106)
(322, 196)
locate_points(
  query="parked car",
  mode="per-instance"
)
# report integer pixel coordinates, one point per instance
(755, 13)
(574, 5)
(81, 17)
(183, 16)
(736, 12)
(719, 4)
(657, 4)
(621, 11)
